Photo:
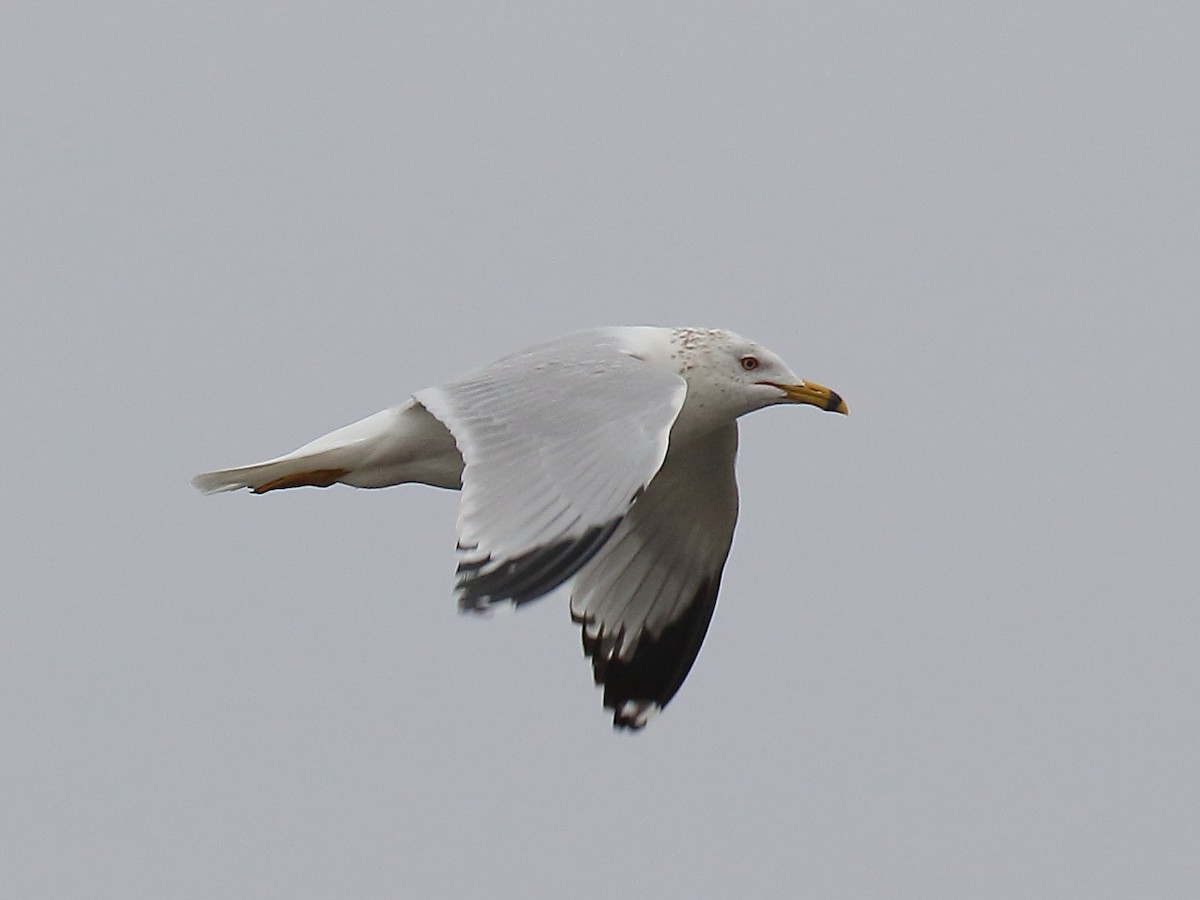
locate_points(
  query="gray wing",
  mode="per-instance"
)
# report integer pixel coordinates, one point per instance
(557, 443)
(646, 598)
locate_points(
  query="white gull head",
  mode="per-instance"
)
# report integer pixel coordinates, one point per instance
(727, 375)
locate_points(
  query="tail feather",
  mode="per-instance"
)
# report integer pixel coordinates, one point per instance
(259, 476)
(343, 451)
(404, 443)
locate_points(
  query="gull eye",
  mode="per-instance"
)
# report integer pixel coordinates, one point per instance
(749, 363)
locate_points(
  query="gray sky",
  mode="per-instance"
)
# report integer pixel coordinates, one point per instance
(957, 649)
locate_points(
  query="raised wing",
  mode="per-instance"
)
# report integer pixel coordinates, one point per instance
(647, 597)
(557, 443)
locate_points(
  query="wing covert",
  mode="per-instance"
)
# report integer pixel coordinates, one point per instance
(557, 442)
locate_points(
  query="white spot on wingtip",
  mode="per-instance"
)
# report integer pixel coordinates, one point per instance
(635, 714)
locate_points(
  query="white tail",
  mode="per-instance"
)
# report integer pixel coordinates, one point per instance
(401, 444)
(259, 476)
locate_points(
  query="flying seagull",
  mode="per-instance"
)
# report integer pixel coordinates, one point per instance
(606, 456)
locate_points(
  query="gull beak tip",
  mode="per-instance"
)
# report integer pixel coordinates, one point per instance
(813, 394)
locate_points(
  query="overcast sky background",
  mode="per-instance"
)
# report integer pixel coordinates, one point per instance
(957, 649)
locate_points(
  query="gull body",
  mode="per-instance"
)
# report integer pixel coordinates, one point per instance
(605, 456)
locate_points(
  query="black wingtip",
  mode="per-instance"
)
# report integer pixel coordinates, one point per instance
(645, 681)
(530, 575)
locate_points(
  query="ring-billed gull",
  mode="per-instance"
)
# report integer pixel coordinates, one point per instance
(606, 456)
